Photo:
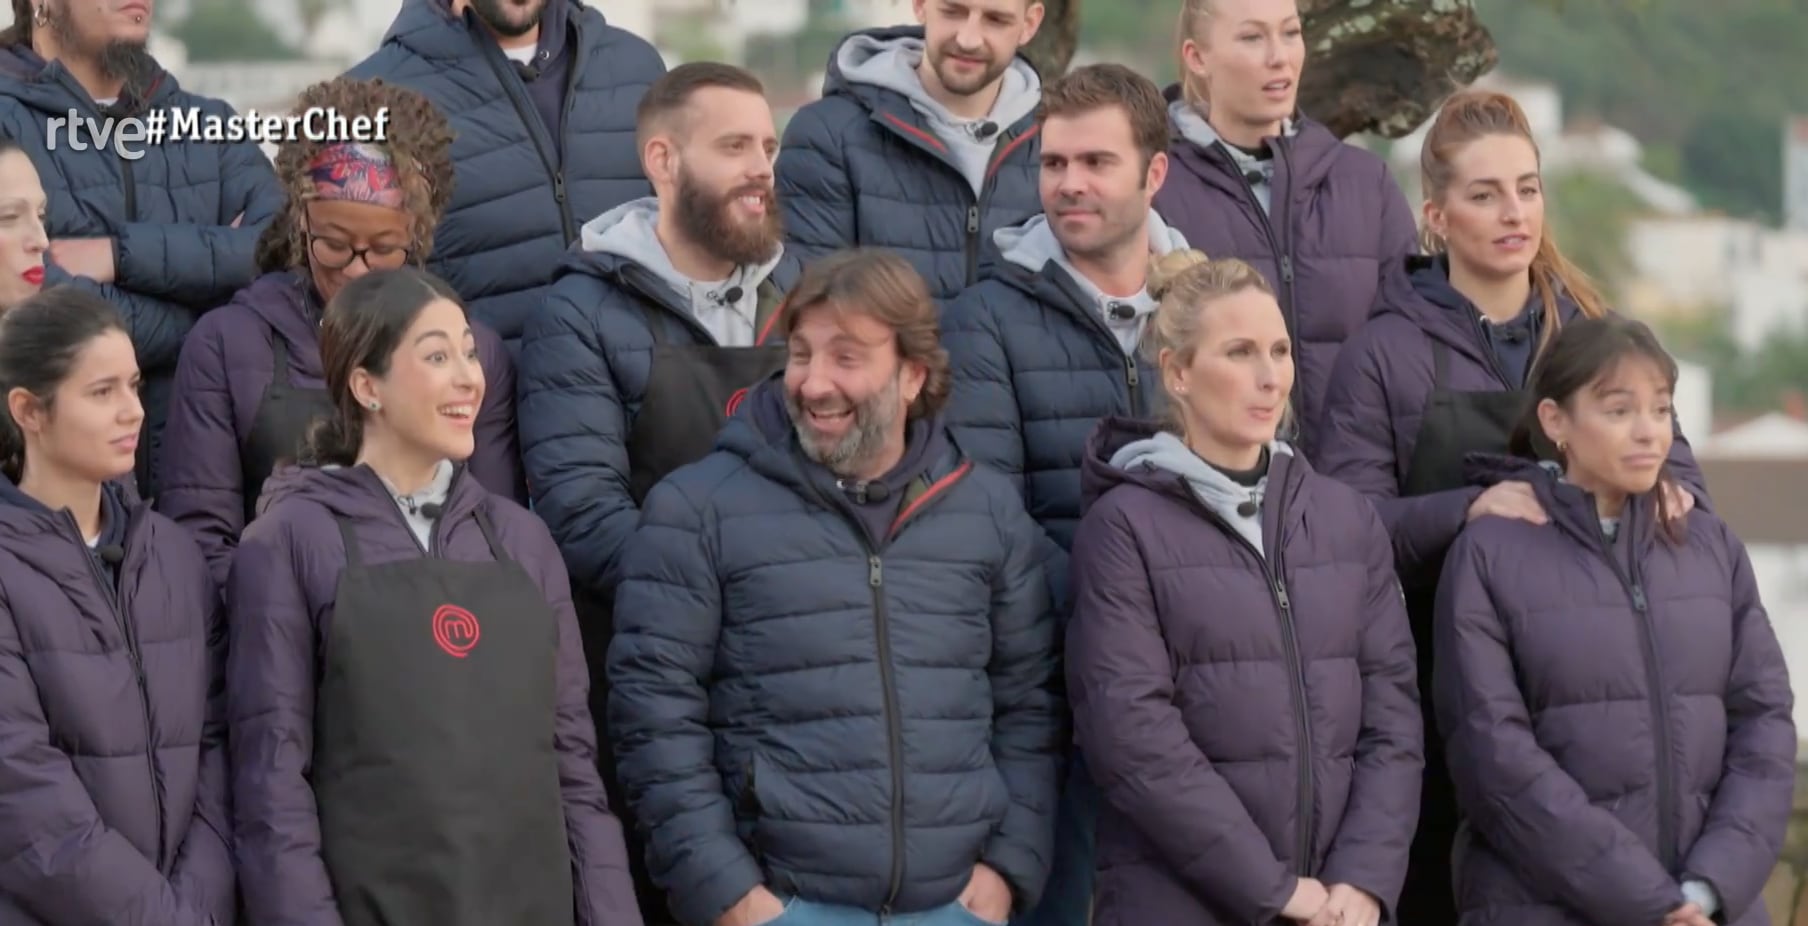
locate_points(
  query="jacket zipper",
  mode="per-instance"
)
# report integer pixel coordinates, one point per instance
(1007, 143)
(117, 605)
(525, 111)
(1655, 688)
(1277, 199)
(894, 728)
(1283, 606)
(1132, 375)
(1500, 372)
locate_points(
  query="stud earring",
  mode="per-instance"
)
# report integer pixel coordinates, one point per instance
(39, 17)
(1563, 446)
(375, 405)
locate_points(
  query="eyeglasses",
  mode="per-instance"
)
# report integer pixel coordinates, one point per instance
(331, 254)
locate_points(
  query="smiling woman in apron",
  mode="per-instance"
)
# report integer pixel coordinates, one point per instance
(249, 382)
(1439, 374)
(411, 738)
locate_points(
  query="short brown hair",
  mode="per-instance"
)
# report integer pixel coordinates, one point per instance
(668, 95)
(886, 288)
(1097, 86)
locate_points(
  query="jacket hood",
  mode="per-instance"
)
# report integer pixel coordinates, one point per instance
(1309, 149)
(1418, 289)
(285, 301)
(358, 493)
(1571, 508)
(871, 62)
(1139, 452)
(28, 514)
(1033, 262)
(48, 87)
(1033, 244)
(430, 29)
(626, 236)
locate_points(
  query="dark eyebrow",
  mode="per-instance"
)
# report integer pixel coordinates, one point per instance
(436, 333)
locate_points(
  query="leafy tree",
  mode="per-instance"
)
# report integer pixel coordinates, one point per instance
(229, 30)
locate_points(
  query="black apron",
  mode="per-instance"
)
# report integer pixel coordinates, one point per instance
(1455, 424)
(284, 415)
(692, 389)
(435, 772)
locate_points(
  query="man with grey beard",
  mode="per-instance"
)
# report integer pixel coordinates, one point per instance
(541, 95)
(163, 237)
(650, 333)
(834, 695)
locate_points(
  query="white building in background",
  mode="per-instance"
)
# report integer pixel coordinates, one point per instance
(1758, 274)
(1795, 174)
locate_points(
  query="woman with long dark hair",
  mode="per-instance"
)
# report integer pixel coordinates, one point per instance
(251, 381)
(1440, 373)
(113, 791)
(410, 730)
(1614, 703)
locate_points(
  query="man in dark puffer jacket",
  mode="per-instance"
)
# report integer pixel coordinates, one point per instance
(834, 658)
(923, 142)
(163, 237)
(652, 329)
(541, 98)
(1071, 291)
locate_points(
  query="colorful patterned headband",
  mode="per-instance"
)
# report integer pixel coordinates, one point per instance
(356, 172)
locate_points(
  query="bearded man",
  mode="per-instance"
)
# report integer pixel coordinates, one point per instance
(924, 141)
(834, 678)
(650, 334)
(164, 229)
(541, 95)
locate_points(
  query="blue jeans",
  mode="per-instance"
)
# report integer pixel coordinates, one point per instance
(1067, 900)
(805, 913)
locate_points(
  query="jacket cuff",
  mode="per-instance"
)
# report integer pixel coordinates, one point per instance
(701, 901)
(1701, 894)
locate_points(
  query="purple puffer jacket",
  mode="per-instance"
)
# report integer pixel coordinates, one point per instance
(113, 793)
(284, 578)
(1558, 656)
(1379, 389)
(1338, 216)
(1195, 694)
(220, 381)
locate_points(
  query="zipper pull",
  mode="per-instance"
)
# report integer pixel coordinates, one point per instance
(558, 187)
(1638, 598)
(1280, 594)
(1287, 269)
(973, 220)
(1130, 375)
(875, 575)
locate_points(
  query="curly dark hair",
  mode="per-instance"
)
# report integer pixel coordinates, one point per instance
(417, 137)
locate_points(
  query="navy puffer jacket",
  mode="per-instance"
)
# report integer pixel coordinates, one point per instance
(170, 213)
(1251, 717)
(863, 167)
(1035, 367)
(1617, 714)
(515, 208)
(854, 724)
